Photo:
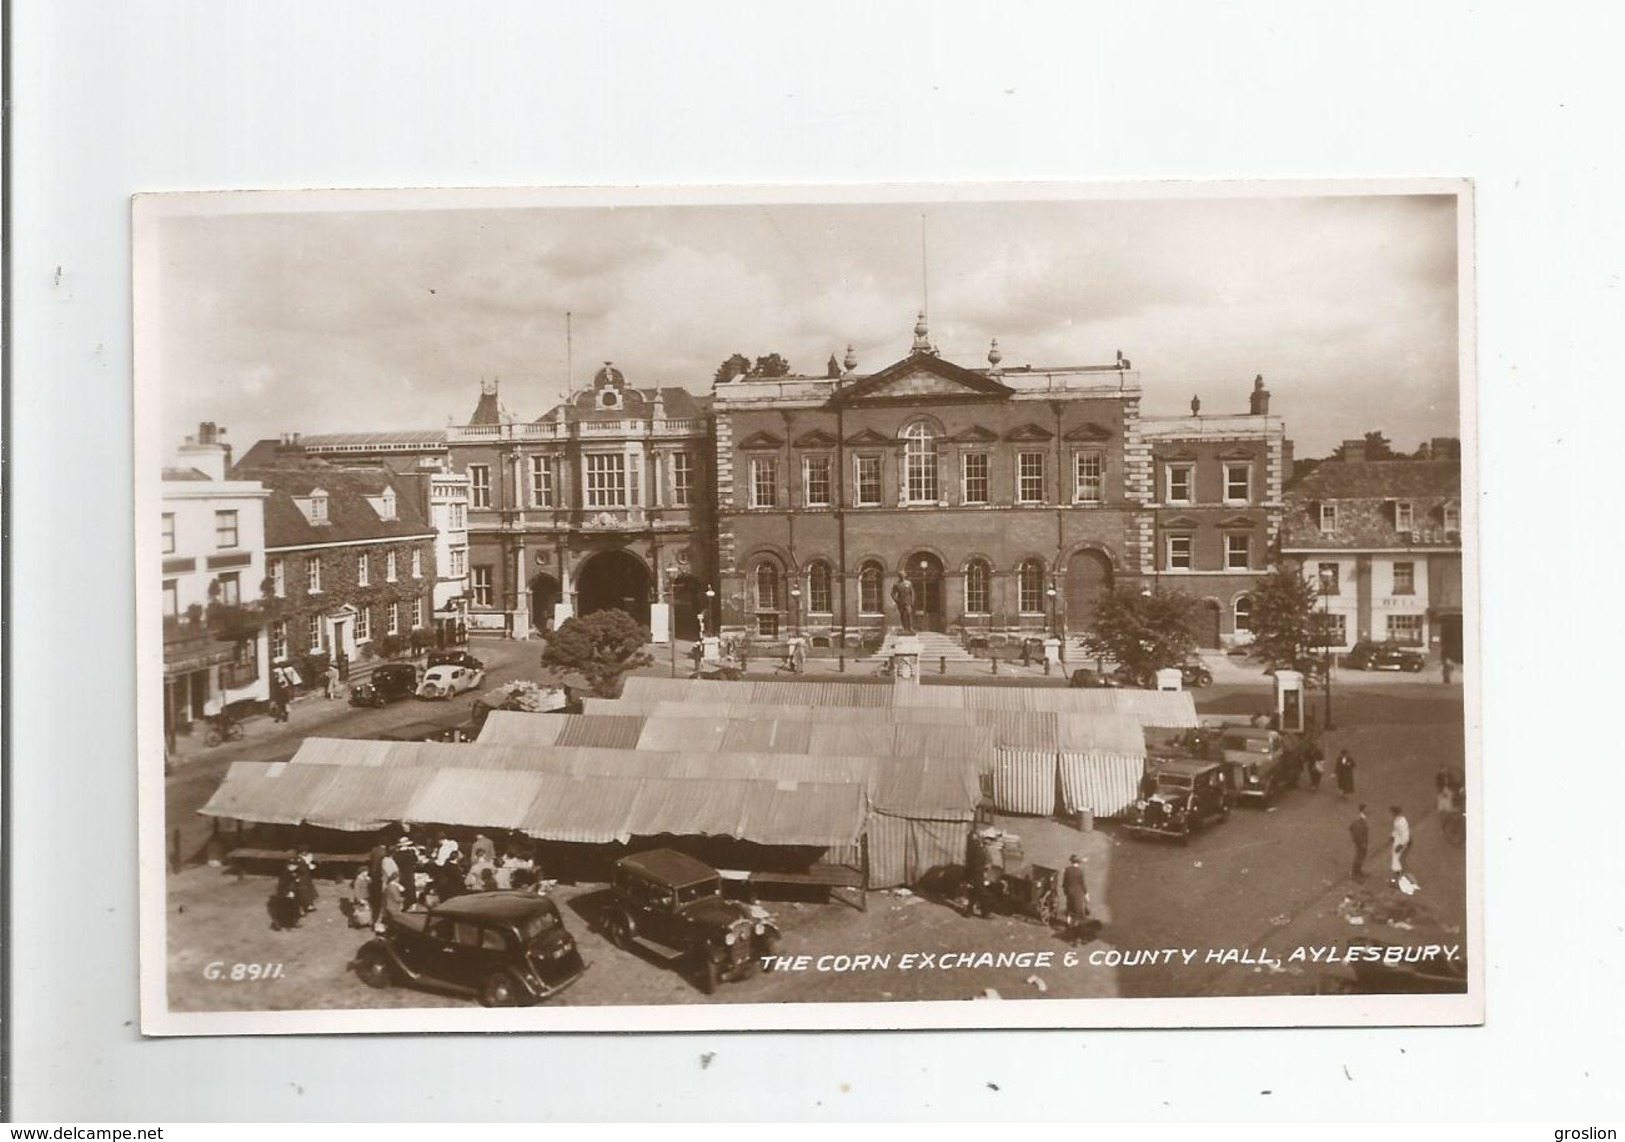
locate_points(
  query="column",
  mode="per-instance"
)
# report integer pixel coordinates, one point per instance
(521, 592)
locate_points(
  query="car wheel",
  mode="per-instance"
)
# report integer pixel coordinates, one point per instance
(500, 990)
(375, 969)
(770, 948)
(1224, 814)
(710, 973)
(619, 931)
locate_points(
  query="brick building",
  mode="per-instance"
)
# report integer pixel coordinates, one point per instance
(602, 501)
(349, 560)
(1384, 536)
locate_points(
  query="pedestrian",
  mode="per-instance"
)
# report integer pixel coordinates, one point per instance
(1076, 891)
(380, 866)
(1360, 834)
(1401, 842)
(284, 902)
(1345, 774)
(279, 700)
(1445, 667)
(406, 861)
(361, 910)
(1309, 751)
(484, 849)
(334, 683)
(394, 902)
(305, 872)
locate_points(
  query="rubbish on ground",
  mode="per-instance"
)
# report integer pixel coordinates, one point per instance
(1402, 924)
(1356, 919)
(988, 993)
(1408, 886)
(1196, 864)
(1038, 983)
(1278, 921)
(901, 892)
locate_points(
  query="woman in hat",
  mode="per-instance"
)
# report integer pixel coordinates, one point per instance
(1076, 891)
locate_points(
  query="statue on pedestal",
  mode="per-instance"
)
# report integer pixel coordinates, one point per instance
(903, 596)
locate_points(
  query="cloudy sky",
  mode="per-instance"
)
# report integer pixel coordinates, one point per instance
(386, 319)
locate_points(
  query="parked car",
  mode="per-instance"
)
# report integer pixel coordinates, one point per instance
(670, 905)
(505, 948)
(1261, 763)
(453, 658)
(387, 683)
(1384, 656)
(1180, 796)
(1087, 679)
(1195, 675)
(447, 681)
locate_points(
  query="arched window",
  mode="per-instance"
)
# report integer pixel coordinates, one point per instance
(1243, 607)
(1030, 580)
(820, 597)
(978, 583)
(920, 464)
(767, 586)
(869, 589)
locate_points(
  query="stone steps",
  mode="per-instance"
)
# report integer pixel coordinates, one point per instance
(934, 646)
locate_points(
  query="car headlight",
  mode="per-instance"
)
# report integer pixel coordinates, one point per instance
(729, 939)
(761, 929)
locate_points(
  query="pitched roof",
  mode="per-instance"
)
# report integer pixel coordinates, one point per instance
(893, 382)
(679, 404)
(350, 515)
(189, 474)
(1379, 479)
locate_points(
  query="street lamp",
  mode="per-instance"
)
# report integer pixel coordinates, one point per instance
(671, 616)
(710, 601)
(1326, 576)
(795, 617)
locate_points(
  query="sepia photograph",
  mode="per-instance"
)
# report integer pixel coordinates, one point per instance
(1007, 605)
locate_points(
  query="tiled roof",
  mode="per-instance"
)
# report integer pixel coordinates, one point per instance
(179, 474)
(1380, 479)
(1365, 494)
(350, 516)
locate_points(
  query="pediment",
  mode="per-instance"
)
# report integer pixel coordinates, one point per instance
(817, 438)
(1091, 433)
(1238, 521)
(868, 437)
(761, 441)
(975, 434)
(1237, 454)
(1179, 523)
(1029, 434)
(1179, 455)
(921, 376)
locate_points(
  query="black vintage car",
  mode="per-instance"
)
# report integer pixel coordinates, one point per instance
(387, 683)
(452, 658)
(1384, 656)
(508, 949)
(1181, 796)
(670, 905)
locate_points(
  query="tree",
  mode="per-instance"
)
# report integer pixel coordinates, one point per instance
(732, 369)
(771, 365)
(1377, 447)
(600, 648)
(1143, 632)
(1286, 624)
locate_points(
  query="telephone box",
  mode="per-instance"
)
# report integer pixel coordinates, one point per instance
(1289, 699)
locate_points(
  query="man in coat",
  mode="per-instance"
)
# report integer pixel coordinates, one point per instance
(1076, 891)
(1360, 834)
(1345, 774)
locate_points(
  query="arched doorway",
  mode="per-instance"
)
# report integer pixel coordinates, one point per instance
(1088, 577)
(687, 597)
(544, 593)
(614, 580)
(924, 572)
(1207, 624)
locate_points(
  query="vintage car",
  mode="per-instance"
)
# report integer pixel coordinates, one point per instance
(1180, 796)
(387, 683)
(446, 681)
(1384, 656)
(453, 658)
(507, 949)
(670, 905)
(1261, 762)
(1087, 679)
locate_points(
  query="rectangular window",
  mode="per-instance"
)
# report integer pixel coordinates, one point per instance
(169, 533)
(231, 589)
(225, 529)
(976, 594)
(459, 563)
(1333, 629)
(541, 481)
(279, 640)
(1328, 518)
(313, 634)
(363, 624)
(634, 479)
(172, 599)
(868, 480)
(1452, 518)
(394, 618)
(682, 479)
(482, 585)
(480, 485)
(764, 483)
(1404, 578)
(1179, 553)
(767, 624)
(363, 570)
(1238, 483)
(815, 480)
(973, 484)
(1090, 470)
(1030, 478)
(389, 566)
(1329, 584)
(1404, 517)
(606, 480)
(417, 563)
(1180, 480)
(459, 517)
(1237, 552)
(279, 579)
(417, 613)
(313, 574)
(1405, 629)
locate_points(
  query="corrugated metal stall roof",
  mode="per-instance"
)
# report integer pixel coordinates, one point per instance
(940, 790)
(343, 751)
(807, 813)
(775, 736)
(495, 799)
(962, 743)
(838, 736)
(600, 732)
(365, 797)
(514, 726)
(587, 810)
(268, 793)
(683, 733)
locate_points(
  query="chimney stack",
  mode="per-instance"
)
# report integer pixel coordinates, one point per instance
(208, 451)
(1258, 404)
(1354, 451)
